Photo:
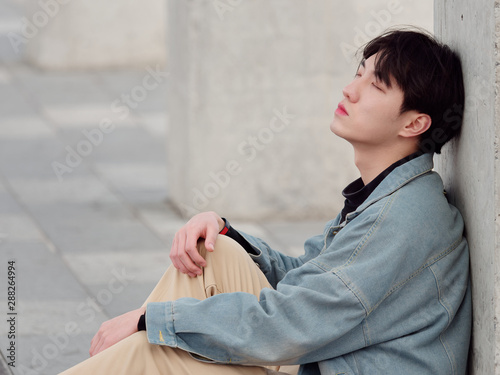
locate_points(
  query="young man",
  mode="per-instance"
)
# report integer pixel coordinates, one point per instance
(384, 289)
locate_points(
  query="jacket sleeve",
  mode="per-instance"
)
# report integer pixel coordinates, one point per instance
(274, 264)
(297, 323)
(311, 316)
(318, 311)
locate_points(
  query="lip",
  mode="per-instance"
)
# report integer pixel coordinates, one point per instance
(341, 110)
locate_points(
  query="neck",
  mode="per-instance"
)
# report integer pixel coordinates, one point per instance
(371, 163)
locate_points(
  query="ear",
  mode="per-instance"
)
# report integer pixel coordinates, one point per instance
(417, 123)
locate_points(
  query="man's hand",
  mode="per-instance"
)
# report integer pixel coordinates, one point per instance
(115, 330)
(184, 253)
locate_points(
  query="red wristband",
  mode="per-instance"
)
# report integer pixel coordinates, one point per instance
(226, 227)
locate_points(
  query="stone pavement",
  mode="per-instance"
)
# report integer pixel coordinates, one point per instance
(84, 216)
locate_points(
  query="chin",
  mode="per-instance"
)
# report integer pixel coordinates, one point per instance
(338, 131)
(334, 127)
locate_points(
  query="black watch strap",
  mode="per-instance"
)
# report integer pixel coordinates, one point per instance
(226, 227)
(141, 325)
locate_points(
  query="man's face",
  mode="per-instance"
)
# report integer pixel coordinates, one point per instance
(369, 115)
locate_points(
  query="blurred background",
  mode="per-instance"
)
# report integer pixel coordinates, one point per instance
(121, 119)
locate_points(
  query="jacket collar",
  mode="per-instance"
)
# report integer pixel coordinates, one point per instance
(397, 179)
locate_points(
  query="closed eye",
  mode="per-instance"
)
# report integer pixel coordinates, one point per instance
(377, 87)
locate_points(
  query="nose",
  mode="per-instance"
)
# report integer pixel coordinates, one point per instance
(351, 92)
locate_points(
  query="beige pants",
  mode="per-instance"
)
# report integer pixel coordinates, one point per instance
(229, 269)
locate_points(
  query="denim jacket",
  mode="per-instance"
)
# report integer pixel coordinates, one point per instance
(384, 292)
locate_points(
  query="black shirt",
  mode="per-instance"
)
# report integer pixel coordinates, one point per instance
(356, 192)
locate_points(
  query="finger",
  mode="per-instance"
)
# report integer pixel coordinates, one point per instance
(177, 253)
(211, 237)
(96, 349)
(192, 251)
(174, 252)
(191, 247)
(180, 252)
(99, 348)
(189, 265)
(185, 258)
(105, 341)
(95, 343)
(103, 345)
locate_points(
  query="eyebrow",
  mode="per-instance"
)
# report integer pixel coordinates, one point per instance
(378, 75)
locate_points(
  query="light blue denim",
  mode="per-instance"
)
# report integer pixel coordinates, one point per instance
(386, 292)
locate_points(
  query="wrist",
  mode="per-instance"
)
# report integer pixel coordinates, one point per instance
(225, 228)
(222, 223)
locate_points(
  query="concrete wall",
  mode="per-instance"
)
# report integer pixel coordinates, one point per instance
(83, 34)
(470, 164)
(253, 88)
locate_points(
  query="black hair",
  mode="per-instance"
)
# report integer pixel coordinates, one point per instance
(430, 75)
